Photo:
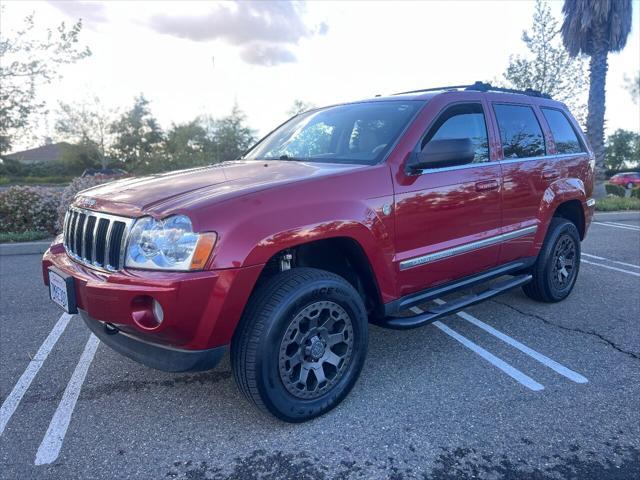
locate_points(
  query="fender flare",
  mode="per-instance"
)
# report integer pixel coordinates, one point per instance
(559, 192)
(375, 241)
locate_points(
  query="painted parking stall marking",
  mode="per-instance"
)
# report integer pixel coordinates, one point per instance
(513, 372)
(552, 364)
(49, 449)
(636, 227)
(603, 259)
(621, 226)
(11, 403)
(610, 267)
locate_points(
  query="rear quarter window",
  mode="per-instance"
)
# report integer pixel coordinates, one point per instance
(564, 135)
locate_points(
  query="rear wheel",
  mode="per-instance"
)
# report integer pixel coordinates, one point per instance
(630, 185)
(556, 269)
(301, 344)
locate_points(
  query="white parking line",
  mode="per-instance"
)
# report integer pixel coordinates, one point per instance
(51, 444)
(552, 364)
(636, 274)
(11, 403)
(633, 228)
(627, 212)
(636, 227)
(514, 373)
(609, 260)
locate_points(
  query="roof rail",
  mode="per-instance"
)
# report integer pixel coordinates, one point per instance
(481, 87)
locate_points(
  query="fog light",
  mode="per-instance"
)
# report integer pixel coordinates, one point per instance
(146, 312)
(157, 311)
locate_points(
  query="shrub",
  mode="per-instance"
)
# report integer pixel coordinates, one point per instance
(635, 193)
(611, 204)
(25, 209)
(28, 236)
(616, 190)
(71, 190)
(48, 180)
(15, 169)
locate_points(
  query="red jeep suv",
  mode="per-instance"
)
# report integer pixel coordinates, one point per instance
(342, 216)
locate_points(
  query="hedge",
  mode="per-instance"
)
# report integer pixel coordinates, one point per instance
(616, 190)
(39, 209)
(24, 209)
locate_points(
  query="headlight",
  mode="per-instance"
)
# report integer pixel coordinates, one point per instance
(168, 244)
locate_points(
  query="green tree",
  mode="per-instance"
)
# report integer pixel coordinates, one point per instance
(28, 60)
(87, 124)
(299, 106)
(187, 145)
(633, 86)
(78, 157)
(137, 137)
(622, 150)
(595, 28)
(548, 67)
(230, 135)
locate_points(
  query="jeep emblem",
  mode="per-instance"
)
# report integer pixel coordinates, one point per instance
(86, 202)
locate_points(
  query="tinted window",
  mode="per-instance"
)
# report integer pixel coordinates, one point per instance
(354, 133)
(462, 121)
(563, 133)
(520, 131)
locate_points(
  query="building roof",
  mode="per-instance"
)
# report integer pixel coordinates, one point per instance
(47, 153)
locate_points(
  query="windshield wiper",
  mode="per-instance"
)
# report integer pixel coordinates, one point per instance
(285, 157)
(293, 159)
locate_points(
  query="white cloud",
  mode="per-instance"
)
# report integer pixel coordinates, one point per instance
(264, 29)
(267, 55)
(91, 13)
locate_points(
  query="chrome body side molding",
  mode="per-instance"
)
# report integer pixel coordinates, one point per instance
(467, 247)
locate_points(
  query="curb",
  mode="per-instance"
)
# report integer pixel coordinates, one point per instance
(24, 248)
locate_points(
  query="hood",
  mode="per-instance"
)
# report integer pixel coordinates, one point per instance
(165, 193)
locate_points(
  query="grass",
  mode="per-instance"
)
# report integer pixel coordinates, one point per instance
(13, 237)
(48, 180)
(612, 204)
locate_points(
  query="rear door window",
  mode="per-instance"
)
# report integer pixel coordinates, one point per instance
(520, 131)
(564, 135)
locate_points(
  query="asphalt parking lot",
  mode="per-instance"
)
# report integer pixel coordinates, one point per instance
(507, 389)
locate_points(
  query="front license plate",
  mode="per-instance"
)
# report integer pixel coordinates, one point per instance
(62, 291)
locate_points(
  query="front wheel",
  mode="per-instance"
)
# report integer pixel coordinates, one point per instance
(556, 269)
(629, 185)
(301, 344)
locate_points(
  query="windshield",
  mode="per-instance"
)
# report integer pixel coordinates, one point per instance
(354, 133)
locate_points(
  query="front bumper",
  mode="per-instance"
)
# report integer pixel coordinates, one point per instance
(201, 309)
(153, 355)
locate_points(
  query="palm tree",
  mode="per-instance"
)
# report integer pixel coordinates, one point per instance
(595, 28)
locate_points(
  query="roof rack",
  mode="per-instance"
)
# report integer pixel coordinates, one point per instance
(481, 87)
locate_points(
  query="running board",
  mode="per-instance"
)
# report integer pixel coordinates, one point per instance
(439, 311)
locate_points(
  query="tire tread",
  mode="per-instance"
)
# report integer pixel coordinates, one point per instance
(538, 289)
(263, 301)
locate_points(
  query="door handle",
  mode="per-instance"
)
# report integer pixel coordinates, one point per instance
(550, 173)
(487, 185)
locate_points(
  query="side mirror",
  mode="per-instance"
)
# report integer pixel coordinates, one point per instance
(443, 153)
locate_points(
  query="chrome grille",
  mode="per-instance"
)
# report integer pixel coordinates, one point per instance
(96, 239)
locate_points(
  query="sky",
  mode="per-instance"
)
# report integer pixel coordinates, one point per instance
(198, 58)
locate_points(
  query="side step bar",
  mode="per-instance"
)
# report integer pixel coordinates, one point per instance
(439, 311)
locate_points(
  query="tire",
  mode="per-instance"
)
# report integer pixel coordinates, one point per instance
(556, 269)
(629, 186)
(276, 343)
